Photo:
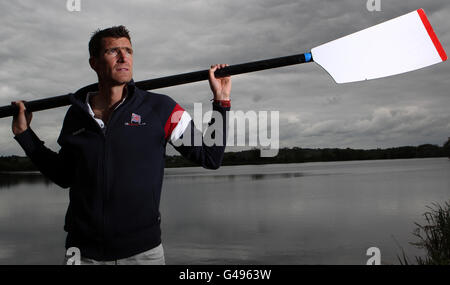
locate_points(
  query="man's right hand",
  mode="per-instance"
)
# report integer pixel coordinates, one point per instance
(22, 120)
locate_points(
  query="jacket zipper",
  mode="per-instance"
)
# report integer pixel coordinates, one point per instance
(104, 191)
(105, 171)
(105, 165)
(103, 187)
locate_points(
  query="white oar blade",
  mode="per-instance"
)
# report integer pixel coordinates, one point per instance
(399, 45)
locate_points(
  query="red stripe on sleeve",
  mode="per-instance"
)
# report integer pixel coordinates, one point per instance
(432, 35)
(173, 120)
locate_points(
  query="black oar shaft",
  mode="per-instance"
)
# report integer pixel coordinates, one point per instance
(63, 100)
(230, 70)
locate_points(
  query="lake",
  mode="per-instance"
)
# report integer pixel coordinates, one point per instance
(309, 213)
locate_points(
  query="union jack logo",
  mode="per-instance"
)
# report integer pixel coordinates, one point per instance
(135, 118)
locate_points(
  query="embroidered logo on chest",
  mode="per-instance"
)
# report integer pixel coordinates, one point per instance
(135, 120)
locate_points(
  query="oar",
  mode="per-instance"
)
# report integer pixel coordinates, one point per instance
(396, 46)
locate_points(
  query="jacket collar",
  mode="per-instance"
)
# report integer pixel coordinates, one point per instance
(78, 98)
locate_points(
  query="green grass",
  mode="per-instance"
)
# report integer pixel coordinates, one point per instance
(433, 237)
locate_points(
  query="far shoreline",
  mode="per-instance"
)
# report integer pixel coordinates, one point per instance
(37, 172)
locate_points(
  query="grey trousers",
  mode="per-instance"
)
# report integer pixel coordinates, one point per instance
(154, 256)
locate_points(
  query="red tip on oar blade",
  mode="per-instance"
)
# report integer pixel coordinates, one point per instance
(432, 34)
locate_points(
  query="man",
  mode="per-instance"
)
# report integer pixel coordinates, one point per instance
(113, 144)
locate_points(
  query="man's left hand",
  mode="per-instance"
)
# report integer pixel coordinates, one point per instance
(221, 87)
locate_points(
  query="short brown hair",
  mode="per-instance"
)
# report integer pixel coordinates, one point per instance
(95, 43)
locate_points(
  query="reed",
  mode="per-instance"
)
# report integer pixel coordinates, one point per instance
(433, 237)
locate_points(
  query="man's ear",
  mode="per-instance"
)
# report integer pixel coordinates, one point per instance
(93, 63)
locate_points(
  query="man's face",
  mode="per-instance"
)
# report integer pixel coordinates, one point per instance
(114, 65)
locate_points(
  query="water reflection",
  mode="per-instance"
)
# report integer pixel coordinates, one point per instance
(10, 179)
(316, 213)
(232, 177)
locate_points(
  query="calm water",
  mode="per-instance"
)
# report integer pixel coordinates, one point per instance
(313, 213)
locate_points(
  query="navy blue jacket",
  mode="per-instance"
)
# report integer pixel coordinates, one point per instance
(115, 175)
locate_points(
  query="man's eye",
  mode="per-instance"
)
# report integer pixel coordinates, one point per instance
(115, 51)
(111, 51)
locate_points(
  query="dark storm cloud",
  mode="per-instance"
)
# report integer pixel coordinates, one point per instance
(44, 53)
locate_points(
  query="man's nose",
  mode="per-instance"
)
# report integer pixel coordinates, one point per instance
(121, 55)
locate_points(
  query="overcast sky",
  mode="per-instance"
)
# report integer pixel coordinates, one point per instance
(44, 53)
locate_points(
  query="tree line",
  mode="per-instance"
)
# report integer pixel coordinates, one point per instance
(285, 155)
(300, 155)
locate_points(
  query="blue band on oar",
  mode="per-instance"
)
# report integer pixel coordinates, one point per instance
(308, 56)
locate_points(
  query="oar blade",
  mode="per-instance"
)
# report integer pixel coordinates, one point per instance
(397, 46)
